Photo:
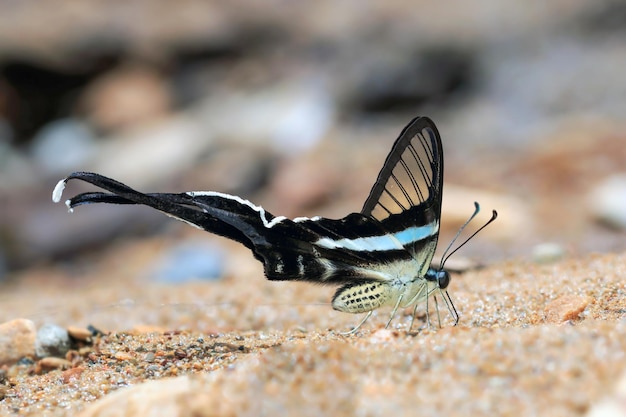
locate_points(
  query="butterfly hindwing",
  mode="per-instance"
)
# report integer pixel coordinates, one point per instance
(320, 250)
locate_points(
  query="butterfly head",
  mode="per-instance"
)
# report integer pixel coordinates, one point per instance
(440, 276)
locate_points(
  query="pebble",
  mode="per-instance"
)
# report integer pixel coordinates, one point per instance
(293, 116)
(72, 374)
(128, 96)
(79, 333)
(190, 261)
(456, 263)
(52, 340)
(547, 252)
(17, 340)
(614, 405)
(514, 218)
(62, 145)
(382, 336)
(53, 363)
(566, 307)
(607, 201)
(168, 396)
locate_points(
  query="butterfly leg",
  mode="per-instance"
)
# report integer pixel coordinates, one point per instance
(354, 330)
(446, 298)
(428, 323)
(415, 300)
(412, 318)
(395, 309)
(437, 310)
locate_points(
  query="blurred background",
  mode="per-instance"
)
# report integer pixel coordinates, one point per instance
(294, 106)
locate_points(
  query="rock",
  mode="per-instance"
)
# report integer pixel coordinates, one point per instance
(566, 307)
(80, 333)
(607, 201)
(128, 96)
(17, 340)
(514, 217)
(52, 340)
(165, 397)
(395, 79)
(382, 336)
(306, 182)
(72, 374)
(456, 263)
(155, 152)
(292, 116)
(547, 252)
(62, 145)
(190, 261)
(613, 406)
(50, 363)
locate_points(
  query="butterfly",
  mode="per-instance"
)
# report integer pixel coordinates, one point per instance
(379, 257)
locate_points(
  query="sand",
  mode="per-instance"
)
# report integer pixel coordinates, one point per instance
(532, 340)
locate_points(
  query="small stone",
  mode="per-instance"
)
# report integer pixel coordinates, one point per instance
(614, 405)
(52, 340)
(123, 356)
(190, 261)
(566, 307)
(456, 263)
(147, 329)
(547, 252)
(53, 363)
(17, 340)
(181, 396)
(79, 333)
(72, 374)
(62, 145)
(515, 219)
(126, 97)
(607, 202)
(382, 336)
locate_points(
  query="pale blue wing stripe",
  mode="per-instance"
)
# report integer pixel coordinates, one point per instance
(416, 233)
(395, 241)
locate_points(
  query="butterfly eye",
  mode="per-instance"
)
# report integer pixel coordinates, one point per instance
(440, 276)
(443, 279)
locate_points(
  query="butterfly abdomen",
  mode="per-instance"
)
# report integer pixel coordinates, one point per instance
(361, 297)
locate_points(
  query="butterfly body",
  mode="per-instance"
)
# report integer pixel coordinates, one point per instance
(379, 257)
(362, 298)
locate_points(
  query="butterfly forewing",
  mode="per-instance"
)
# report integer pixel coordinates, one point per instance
(406, 197)
(411, 175)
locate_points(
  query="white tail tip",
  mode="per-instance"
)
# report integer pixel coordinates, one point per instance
(58, 190)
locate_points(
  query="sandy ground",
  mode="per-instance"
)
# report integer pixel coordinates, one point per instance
(246, 346)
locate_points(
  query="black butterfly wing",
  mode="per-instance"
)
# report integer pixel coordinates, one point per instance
(406, 198)
(318, 250)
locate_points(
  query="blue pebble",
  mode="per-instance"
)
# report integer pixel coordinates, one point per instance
(190, 261)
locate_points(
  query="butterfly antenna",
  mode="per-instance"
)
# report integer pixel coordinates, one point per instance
(447, 255)
(443, 257)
